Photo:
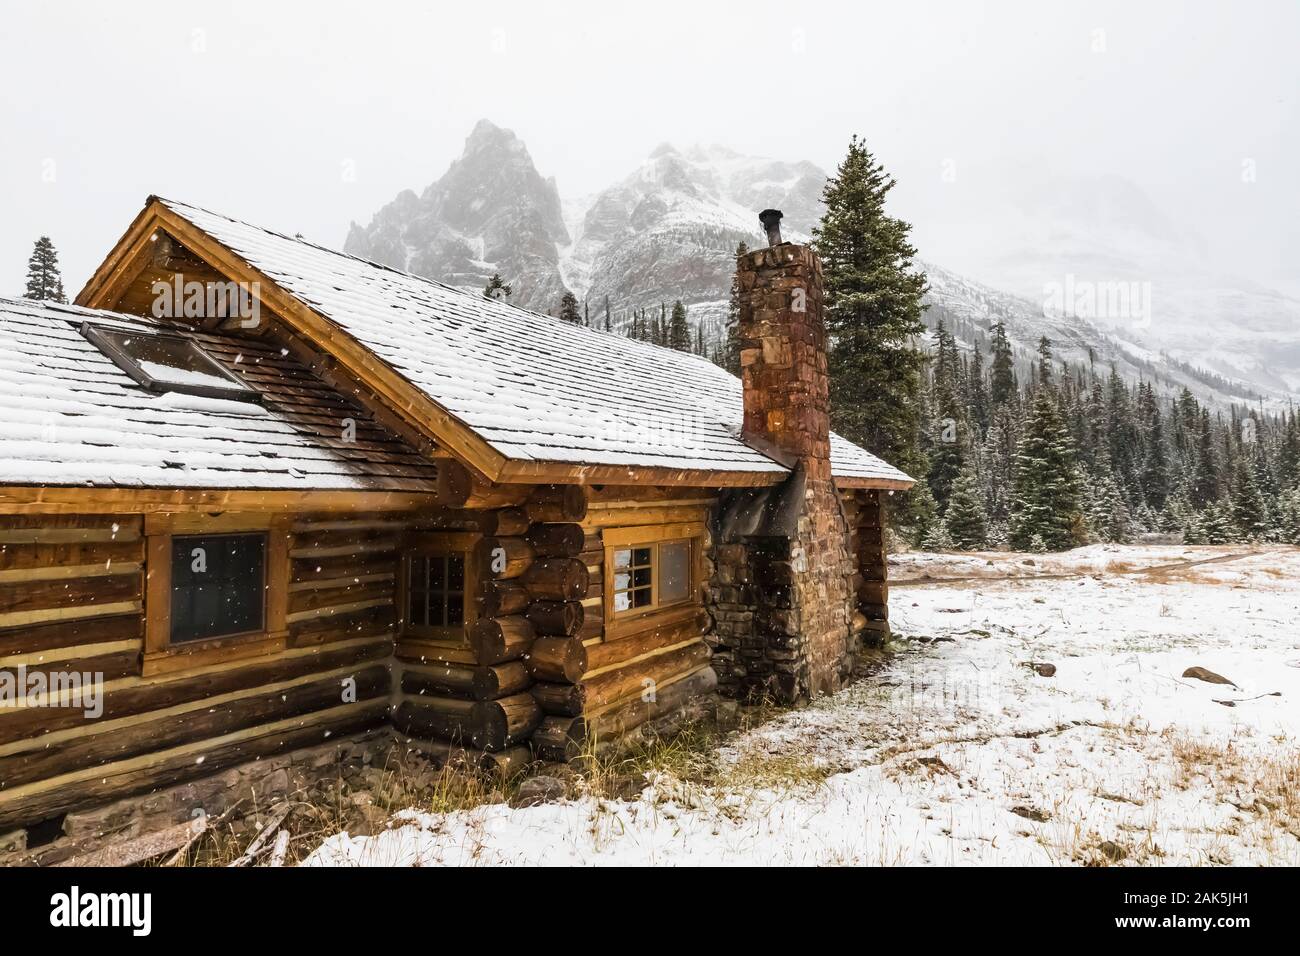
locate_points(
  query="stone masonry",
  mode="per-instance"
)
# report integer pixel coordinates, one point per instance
(782, 592)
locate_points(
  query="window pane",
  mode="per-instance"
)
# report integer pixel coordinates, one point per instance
(641, 557)
(622, 558)
(641, 597)
(674, 571)
(641, 577)
(218, 585)
(172, 361)
(418, 575)
(436, 590)
(622, 601)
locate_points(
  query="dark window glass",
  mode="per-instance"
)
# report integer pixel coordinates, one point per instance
(436, 591)
(218, 585)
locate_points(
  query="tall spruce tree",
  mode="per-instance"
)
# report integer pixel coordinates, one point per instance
(873, 312)
(44, 281)
(1002, 387)
(1046, 503)
(731, 347)
(679, 332)
(966, 520)
(569, 308)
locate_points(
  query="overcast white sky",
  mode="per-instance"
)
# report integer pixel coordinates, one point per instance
(255, 108)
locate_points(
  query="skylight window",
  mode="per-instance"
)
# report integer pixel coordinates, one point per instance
(168, 363)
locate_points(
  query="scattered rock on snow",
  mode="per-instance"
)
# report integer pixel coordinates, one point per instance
(1112, 850)
(1031, 813)
(1045, 670)
(1201, 673)
(538, 790)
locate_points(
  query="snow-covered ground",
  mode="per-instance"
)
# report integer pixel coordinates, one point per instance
(959, 752)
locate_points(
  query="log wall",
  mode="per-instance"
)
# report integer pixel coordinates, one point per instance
(72, 600)
(537, 668)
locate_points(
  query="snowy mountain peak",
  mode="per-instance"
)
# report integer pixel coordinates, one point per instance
(490, 212)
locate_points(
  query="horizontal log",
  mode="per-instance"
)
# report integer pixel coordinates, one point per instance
(61, 634)
(86, 787)
(505, 522)
(483, 725)
(557, 579)
(496, 640)
(672, 629)
(556, 540)
(566, 700)
(503, 598)
(98, 749)
(618, 720)
(486, 682)
(559, 738)
(556, 618)
(643, 676)
(560, 659)
(558, 503)
(503, 559)
(141, 696)
(18, 561)
(76, 592)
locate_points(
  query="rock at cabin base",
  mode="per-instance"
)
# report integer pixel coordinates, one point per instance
(1201, 673)
(538, 790)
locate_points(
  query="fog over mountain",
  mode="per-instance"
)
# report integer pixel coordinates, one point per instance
(1093, 264)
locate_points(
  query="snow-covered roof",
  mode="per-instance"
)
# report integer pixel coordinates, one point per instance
(73, 417)
(534, 387)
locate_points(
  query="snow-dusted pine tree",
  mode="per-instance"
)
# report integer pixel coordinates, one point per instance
(679, 332)
(873, 312)
(496, 288)
(1046, 485)
(44, 281)
(966, 520)
(569, 308)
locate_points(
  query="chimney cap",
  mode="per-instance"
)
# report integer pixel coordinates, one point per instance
(771, 220)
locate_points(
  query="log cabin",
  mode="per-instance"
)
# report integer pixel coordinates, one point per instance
(375, 501)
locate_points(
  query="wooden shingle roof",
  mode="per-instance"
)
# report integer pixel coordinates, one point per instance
(534, 388)
(73, 418)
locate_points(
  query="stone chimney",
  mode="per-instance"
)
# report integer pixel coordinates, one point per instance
(783, 355)
(783, 598)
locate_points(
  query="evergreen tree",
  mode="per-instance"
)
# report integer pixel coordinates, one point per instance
(948, 429)
(609, 326)
(873, 312)
(1002, 388)
(1249, 512)
(44, 281)
(569, 308)
(1108, 515)
(966, 520)
(679, 332)
(731, 348)
(1046, 501)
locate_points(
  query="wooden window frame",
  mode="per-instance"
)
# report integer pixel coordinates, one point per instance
(160, 654)
(635, 620)
(436, 544)
(101, 337)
